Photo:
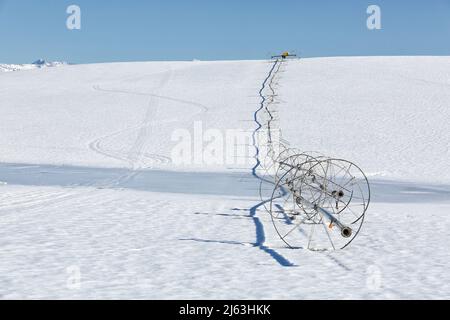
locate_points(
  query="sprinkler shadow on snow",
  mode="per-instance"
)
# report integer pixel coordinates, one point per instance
(207, 183)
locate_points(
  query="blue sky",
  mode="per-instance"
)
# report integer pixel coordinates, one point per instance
(131, 30)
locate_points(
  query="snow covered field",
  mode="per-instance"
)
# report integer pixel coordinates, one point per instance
(90, 190)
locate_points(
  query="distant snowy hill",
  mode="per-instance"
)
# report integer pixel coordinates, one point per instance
(40, 63)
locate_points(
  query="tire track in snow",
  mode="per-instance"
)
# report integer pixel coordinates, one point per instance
(41, 206)
(135, 155)
(53, 199)
(200, 106)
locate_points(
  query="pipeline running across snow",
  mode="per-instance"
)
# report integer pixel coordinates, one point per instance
(260, 234)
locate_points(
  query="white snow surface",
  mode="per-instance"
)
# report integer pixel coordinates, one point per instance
(87, 182)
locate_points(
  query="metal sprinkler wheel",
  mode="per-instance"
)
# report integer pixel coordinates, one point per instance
(319, 203)
(315, 202)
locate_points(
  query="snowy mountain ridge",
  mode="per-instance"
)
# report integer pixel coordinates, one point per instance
(38, 64)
